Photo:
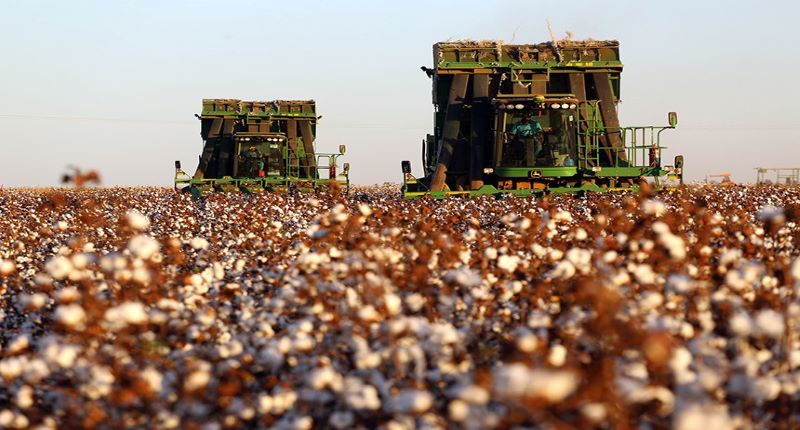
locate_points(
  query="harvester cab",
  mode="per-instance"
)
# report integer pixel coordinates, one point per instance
(252, 146)
(532, 119)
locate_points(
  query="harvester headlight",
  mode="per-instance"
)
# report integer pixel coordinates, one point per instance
(564, 106)
(596, 168)
(555, 106)
(520, 106)
(573, 106)
(488, 170)
(501, 107)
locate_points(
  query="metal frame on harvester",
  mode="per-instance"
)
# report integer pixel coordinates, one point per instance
(251, 146)
(483, 89)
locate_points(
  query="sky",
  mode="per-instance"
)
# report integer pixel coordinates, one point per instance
(114, 86)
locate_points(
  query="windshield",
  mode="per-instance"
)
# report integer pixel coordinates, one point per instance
(539, 138)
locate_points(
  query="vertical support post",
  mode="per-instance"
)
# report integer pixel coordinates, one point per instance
(479, 133)
(577, 86)
(308, 146)
(452, 124)
(539, 84)
(291, 137)
(608, 111)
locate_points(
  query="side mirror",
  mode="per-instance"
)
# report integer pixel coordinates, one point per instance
(177, 164)
(406, 166)
(346, 168)
(673, 119)
(679, 161)
(342, 149)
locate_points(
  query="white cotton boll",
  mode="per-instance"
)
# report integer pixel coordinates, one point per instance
(412, 402)
(473, 394)
(24, 397)
(33, 301)
(680, 284)
(680, 360)
(59, 267)
(516, 380)
(415, 302)
(129, 313)
(62, 225)
(770, 323)
(393, 303)
(730, 256)
(650, 301)
(368, 313)
(539, 319)
(197, 380)
(765, 389)
(264, 405)
(18, 344)
(322, 378)
(141, 276)
(594, 411)
(555, 255)
(136, 220)
(7, 267)
(80, 261)
(581, 234)
(458, 410)
(143, 246)
(100, 383)
(740, 324)
(610, 256)
(463, 276)
(580, 258)
(360, 396)
(563, 270)
(557, 356)
(13, 420)
(58, 355)
(654, 207)
(365, 210)
(490, 253)
(72, 316)
(674, 245)
(644, 274)
(153, 378)
(303, 343)
(696, 416)
(198, 243)
(508, 263)
(563, 216)
(795, 270)
(526, 341)
(12, 367)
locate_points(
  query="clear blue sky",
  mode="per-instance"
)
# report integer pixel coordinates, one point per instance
(114, 85)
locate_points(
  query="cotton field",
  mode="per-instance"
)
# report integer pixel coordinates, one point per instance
(131, 308)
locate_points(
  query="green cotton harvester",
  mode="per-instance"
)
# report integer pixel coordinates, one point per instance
(261, 145)
(532, 119)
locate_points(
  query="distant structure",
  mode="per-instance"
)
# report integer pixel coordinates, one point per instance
(76, 177)
(781, 175)
(724, 179)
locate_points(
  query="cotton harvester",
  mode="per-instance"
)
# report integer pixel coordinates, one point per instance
(530, 119)
(261, 145)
